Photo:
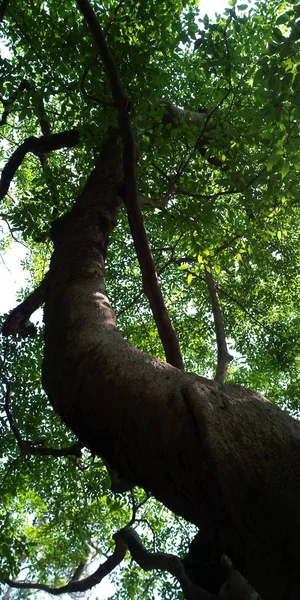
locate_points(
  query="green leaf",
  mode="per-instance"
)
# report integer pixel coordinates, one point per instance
(285, 169)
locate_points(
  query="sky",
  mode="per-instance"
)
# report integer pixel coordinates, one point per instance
(13, 276)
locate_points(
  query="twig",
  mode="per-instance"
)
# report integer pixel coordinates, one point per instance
(131, 195)
(10, 417)
(224, 357)
(136, 507)
(2, 216)
(5, 353)
(8, 104)
(38, 146)
(27, 38)
(228, 59)
(51, 184)
(83, 90)
(84, 584)
(201, 141)
(182, 192)
(113, 15)
(170, 261)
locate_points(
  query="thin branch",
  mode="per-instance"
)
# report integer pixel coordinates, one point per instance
(8, 104)
(74, 450)
(256, 177)
(245, 310)
(131, 195)
(160, 204)
(9, 415)
(10, 468)
(113, 15)
(176, 261)
(7, 223)
(224, 357)
(38, 146)
(44, 123)
(45, 163)
(229, 80)
(84, 584)
(83, 90)
(5, 353)
(139, 295)
(181, 192)
(176, 115)
(162, 562)
(202, 140)
(136, 507)
(27, 38)
(16, 322)
(83, 566)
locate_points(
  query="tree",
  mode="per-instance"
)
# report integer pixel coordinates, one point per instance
(115, 116)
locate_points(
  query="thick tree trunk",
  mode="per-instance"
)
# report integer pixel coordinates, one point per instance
(219, 455)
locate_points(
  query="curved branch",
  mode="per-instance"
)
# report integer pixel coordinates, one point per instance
(162, 562)
(16, 322)
(224, 357)
(38, 146)
(84, 584)
(131, 195)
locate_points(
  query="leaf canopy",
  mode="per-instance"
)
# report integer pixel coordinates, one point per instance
(233, 208)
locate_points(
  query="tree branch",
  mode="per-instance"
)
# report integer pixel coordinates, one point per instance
(175, 115)
(236, 587)
(224, 357)
(16, 322)
(38, 146)
(163, 562)
(131, 195)
(84, 584)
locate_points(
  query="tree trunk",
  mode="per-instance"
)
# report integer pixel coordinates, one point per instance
(221, 456)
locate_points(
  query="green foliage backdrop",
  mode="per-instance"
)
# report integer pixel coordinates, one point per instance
(233, 207)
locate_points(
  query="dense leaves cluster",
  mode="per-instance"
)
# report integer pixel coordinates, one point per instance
(224, 196)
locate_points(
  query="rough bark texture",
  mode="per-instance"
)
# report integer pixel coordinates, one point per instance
(219, 455)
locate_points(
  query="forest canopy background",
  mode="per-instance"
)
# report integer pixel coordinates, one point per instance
(219, 194)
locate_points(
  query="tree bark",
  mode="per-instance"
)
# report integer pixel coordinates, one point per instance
(221, 456)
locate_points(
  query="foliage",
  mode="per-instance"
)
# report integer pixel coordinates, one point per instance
(239, 218)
